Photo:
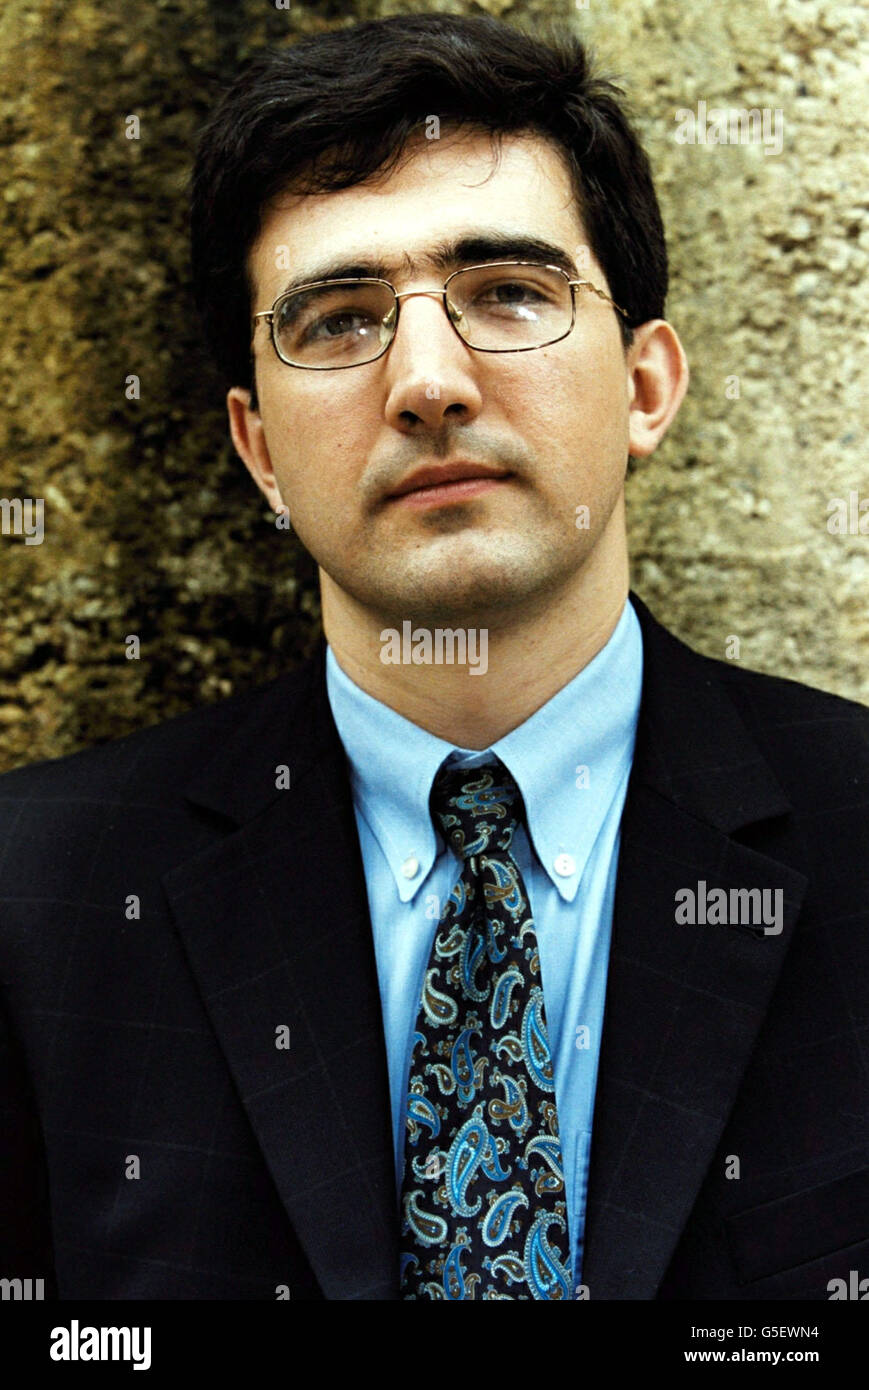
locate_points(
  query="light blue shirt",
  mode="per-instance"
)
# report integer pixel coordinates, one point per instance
(571, 761)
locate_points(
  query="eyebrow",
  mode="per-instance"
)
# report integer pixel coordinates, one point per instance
(472, 249)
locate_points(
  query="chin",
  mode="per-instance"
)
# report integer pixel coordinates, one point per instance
(469, 581)
(470, 599)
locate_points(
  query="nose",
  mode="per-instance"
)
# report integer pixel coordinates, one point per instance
(430, 372)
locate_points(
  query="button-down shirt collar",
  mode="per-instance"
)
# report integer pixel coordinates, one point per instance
(567, 759)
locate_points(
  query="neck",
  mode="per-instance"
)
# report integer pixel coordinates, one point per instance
(521, 663)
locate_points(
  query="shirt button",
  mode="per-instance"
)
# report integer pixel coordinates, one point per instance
(565, 865)
(410, 867)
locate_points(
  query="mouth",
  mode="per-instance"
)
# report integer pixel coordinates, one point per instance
(442, 484)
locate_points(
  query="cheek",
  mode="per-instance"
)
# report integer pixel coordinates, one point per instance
(568, 409)
(574, 422)
(599, 402)
(313, 440)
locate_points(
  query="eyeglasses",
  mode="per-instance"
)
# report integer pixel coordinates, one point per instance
(504, 306)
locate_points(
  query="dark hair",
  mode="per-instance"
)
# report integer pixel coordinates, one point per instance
(332, 110)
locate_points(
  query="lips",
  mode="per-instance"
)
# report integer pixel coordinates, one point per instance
(439, 476)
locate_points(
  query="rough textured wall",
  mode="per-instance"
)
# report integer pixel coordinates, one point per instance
(152, 526)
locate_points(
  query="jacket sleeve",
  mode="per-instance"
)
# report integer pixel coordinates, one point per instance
(25, 1221)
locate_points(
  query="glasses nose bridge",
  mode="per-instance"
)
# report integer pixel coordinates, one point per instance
(440, 294)
(409, 294)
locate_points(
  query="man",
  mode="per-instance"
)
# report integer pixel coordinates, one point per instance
(510, 950)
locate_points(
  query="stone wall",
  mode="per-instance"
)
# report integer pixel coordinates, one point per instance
(152, 527)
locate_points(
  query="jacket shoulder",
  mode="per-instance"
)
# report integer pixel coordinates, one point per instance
(764, 701)
(160, 756)
(816, 742)
(777, 702)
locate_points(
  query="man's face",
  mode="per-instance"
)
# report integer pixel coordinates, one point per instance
(553, 421)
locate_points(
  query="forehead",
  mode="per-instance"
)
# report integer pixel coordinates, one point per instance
(442, 189)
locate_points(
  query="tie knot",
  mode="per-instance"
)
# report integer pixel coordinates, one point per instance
(477, 809)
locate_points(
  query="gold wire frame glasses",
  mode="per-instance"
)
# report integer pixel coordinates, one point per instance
(328, 325)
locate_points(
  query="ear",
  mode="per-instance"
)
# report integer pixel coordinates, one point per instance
(248, 436)
(658, 380)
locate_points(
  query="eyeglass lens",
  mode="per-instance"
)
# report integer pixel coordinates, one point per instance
(493, 307)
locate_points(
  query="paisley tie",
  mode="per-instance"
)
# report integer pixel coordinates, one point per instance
(482, 1203)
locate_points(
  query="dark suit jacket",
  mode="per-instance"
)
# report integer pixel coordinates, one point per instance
(154, 1038)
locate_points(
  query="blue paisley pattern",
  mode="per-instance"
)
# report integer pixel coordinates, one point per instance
(483, 1204)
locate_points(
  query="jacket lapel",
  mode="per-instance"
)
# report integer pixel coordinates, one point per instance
(274, 920)
(684, 1002)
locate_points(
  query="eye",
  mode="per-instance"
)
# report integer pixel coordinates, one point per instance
(510, 292)
(331, 316)
(337, 323)
(514, 297)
